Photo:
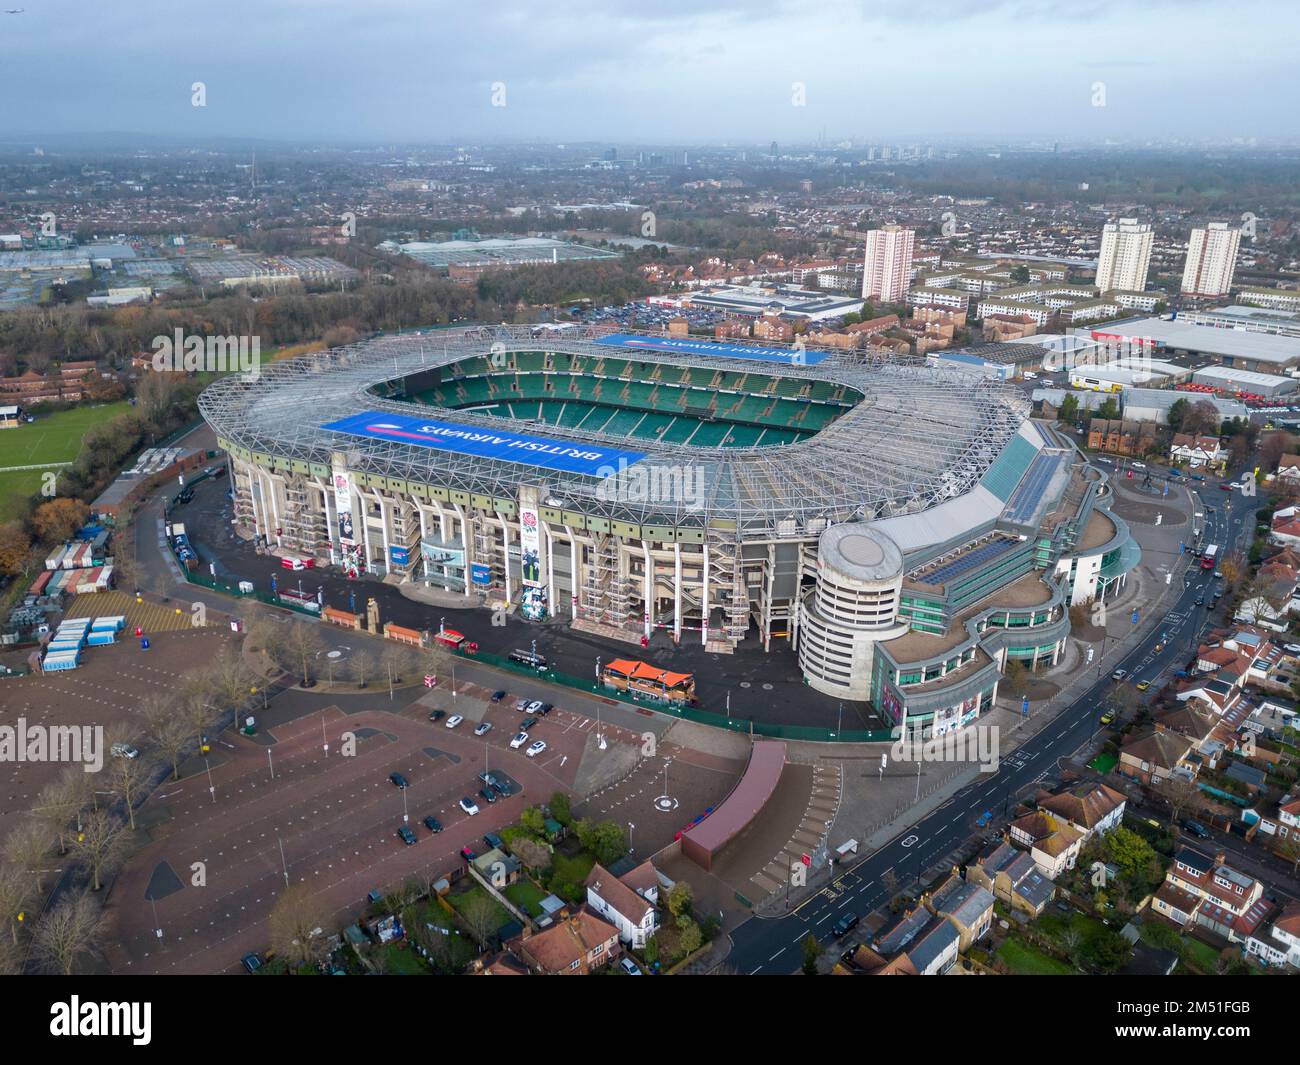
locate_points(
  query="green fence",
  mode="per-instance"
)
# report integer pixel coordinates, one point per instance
(806, 733)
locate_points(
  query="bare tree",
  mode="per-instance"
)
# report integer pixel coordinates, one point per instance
(480, 916)
(73, 928)
(15, 893)
(394, 662)
(166, 730)
(1180, 795)
(101, 845)
(56, 806)
(127, 780)
(230, 678)
(27, 848)
(302, 646)
(362, 665)
(297, 924)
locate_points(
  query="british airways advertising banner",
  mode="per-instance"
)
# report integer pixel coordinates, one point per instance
(578, 457)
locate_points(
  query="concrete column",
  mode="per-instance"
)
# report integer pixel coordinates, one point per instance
(505, 554)
(275, 511)
(648, 596)
(331, 525)
(677, 591)
(704, 599)
(424, 562)
(383, 529)
(464, 543)
(550, 568)
(573, 573)
(364, 509)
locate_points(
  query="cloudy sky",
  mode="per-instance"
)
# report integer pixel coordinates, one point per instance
(642, 70)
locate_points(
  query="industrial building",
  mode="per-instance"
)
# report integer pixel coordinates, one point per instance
(1251, 382)
(908, 531)
(1231, 347)
(788, 301)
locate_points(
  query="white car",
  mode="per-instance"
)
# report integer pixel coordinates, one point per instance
(536, 748)
(454, 720)
(519, 740)
(124, 750)
(1139, 465)
(1294, 648)
(469, 806)
(484, 727)
(534, 707)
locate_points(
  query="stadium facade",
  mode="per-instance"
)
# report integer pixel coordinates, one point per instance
(907, 530)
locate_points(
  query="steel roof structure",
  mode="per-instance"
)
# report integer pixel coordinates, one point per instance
(919, 436)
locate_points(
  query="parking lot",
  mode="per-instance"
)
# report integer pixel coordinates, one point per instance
(279, 809)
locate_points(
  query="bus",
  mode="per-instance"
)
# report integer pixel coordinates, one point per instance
(1210, 556)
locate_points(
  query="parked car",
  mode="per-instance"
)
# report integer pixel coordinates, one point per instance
(454, 720)
(845, 925)
(489, 796)
(545, 709)
(522, 704)
(469, 806)
(406, 835)
(468, 853)
(535, 748)
(298, 563)
(1119, 674)
(629, 966)
(494, 841)
(1293, 648)
(520, 739)
(124, 750)
(483, 728)
(497, 696)
(1143, 685)
(1196, 829)
(1108, 717)
(437, 715)
(397, 779)
(251, 962)
(433, 824)
(535, 707)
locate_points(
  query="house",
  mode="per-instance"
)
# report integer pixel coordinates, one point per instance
(1283, 823)
(1251, 777)
(1149, 961)
(500, 963)
(577, 944)
(1197, 451)
(1278, 942)
(866, 962)
(497, 868)
(1288, 470)
(629, 910)
(1270, 600)
(929, 943)
(1053, 845)
(1285, 527)
(1217, 694)
(1154, 756)
(1089, 808)
(967, 906)
(1012, 877)
(1223, 900)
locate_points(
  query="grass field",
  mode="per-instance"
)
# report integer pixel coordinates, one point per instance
(1026, 961)
(52, 438)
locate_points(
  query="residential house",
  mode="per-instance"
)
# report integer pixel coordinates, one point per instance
(1288, 471)
(1278, 942)
(1089, 808)
(1285, 527)
(1155, 755)
(866, 962)
(1227, 902)
(631, 911)
(965, 905)
(1053, 845)
(577, 944)
(1271, 599)
(1012, 876)
(1198, 452)
(1282, 822)
(929, 943)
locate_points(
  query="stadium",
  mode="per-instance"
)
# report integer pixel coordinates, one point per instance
(906, 530)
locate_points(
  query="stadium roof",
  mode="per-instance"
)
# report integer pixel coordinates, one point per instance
(918, 438)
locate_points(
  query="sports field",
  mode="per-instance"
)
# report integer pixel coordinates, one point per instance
(51, 439)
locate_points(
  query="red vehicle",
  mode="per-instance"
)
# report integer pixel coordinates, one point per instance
(298, 563)
(455, 640)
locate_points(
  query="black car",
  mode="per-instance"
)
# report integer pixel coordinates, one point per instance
(488, 794)
(497, 696)
(397, 779)
(845, 925)
(546, 709)
(528, 722)
(437, 715)
(433, 824)
(1196, 829)
(406, 835)
(498, 787)
(493, 840)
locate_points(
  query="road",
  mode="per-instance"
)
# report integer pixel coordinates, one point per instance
(771, 945)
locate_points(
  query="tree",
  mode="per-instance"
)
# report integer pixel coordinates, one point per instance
(1069, 410)
(534, 854)
(689, 936)
(73, 928)
(480, 916)
(166, 730)
(56, 806)
(15, 549)
(812, 950)
(1020, 275)
(361, 666)
(1289, 851)
(560, 808)
(302, 645)
(533, 820)
(605, 839)
(15, 893)
(1014, 674)
(1181, 795)
(1109, 409)
(229, 678)
(680, 899)
(27, 849)
(394, 663)
(1201, 419)
(100, 845)
(1070, 938)
(296, 926)
(58, 519)
(127, 780)
(1176, 414)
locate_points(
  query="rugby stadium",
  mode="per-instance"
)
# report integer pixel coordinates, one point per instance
(906, 530)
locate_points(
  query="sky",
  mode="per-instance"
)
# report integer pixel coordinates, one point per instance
(665, 71)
